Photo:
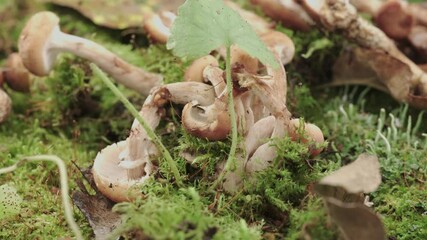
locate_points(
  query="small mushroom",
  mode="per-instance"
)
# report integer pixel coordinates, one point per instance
(158, 25)
(311, 134)
(287, 12)
(194, 72)
(211, 122)
(240, 57)
(281, 44)
(393, 18)
(41, 41)
(418, 39)
(120, 166)
(16, 75)
(5, 104)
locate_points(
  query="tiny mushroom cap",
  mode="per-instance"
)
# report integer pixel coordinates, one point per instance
(113, 181)
(16, 75)
(394, 19)
(158, 25)
(5, 105)
(194, 72)
(211, 122)
(312, 133)
(281, 44)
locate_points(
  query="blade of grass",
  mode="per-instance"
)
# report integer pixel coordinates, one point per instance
(173, 168)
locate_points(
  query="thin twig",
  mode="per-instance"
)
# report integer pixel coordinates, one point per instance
(66, 203)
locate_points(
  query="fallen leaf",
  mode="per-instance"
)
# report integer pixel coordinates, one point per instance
(356, 221)
(360, 176)
(96, 208)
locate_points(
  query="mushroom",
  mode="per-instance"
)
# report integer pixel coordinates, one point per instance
(194, 72)
(41, 41)
(281, 44)
(393, 18)
(210, 121)
(259, 24)
(310, 134)
(158, 25)
(16, 75)
(120, 166)
(287, 12)
(418, 39)
(5, 103)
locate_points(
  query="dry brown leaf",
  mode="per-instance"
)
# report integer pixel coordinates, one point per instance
(356, 221)
(360, 176)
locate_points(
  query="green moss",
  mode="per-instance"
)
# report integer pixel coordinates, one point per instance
(166, 213)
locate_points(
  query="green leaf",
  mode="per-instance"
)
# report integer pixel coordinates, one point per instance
(205, 25)
(10, 201)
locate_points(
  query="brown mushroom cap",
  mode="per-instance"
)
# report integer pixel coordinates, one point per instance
(311, 131)
(238, 56)
(281, 44)
(16, 75)
(287, 17)
(394, 20)
(33, 43)
(111, 180)
(211, 122)
(5, 105)
(194, 72)
(418, 39)
(1, 78)
(158, 26)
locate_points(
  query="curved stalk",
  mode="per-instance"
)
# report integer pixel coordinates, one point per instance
(232, 112)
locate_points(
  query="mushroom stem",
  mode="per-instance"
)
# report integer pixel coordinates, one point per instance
(125, 73)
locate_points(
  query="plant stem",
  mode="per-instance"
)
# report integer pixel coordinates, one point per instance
(151, 134)
(66, 204)
(232, 112)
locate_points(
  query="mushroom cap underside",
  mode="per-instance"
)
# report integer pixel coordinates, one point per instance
(112, 180)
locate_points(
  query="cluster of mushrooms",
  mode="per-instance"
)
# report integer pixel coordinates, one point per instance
(259, 91)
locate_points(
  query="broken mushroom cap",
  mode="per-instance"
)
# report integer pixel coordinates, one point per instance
(394, 19)
(5, 105)
(281, 44)
(16, 75)
(312, 133)
(211, 122)
(41, 41)
(287, 12)
(158, 25)
(111, 180)
(194, 72)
